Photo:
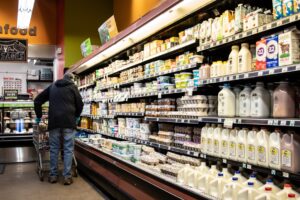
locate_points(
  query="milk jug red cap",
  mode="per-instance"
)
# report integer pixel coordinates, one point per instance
(291, 195)
(268, 189)
(287, 185)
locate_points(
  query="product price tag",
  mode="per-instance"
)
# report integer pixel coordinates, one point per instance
(190, 91)
(285, 174)
(230, 78)
(246, 75)
(260, 73)
(270, 122)
(204, 156)
(196, 154)
(219, 120)
(159, 95)
(228, 123)
(292, 123)
(244, 165)
(249, 166)
(224, 161)
(285, 69)
(275, 122)
(188, 152)
(201, 155)
(169, 148)
(273, 172)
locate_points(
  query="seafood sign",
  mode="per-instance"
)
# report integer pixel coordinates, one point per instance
(13, 50)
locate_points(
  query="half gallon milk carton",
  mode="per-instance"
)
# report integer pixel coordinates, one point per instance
(289, 47)
(261, 54)
(272, 51)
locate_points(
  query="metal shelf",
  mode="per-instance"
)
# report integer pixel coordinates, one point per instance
(99, 116)
(133, 114)
(86, 86)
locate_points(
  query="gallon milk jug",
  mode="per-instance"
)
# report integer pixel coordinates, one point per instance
(260, 101)
(191, 180)
(245, 102)
(231, 189)
(252, 147)
(269, 183)
(225, 143)
(205, 179)
(242, 144)
(213, 171)
(226, 174)
(241, 179)
(182, 176)
(210, 137)
(204, 138)
(274, 150)
(263, 148)
(237, 92)
(290, 152)
(287, 189)
(217, 140)
(284, 101)
(248, 192)
(245, 59)
(267, 195)
(270, 88)
(233, 60)
(233, 144)
(226, 102)
(256, 183)
(216, 185)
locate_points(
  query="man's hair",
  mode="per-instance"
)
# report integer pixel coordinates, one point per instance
(69, 76)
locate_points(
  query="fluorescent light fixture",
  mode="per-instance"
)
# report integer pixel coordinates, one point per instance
(179, 11)
(24, 13)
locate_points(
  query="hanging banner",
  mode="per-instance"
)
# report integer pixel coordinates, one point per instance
(13, 50)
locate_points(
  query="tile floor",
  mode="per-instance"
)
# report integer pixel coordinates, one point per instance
(20, 181)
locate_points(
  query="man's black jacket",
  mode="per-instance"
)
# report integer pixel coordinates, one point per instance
(65, 104)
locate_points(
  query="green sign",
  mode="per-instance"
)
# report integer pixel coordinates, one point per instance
(86, 47)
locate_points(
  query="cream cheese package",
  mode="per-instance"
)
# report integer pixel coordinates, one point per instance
(272, 51)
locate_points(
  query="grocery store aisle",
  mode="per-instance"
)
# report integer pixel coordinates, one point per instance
(20, 181)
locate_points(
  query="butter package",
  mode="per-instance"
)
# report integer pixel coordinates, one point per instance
(261, 54)
(288, 7)
(272, 51)
(289, 43)
(277, 9)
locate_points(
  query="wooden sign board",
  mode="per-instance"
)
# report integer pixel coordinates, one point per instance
(13, 50)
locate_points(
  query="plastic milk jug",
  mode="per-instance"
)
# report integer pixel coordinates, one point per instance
(284, 101)
(233, 144)
(210, 138)
(216, 186)
(271, 91)
(192, 178)
(225, 143)
(217, 140)
(241, 178)
(274, 150)
(287, 189)
(267, 195)
(237, 92)
(245, 59)
(183, 174)
(252, 179)
(204, 138)
(248, 193)
(242, 145)
(245, 102)
(226, 173)
(252, 147)
(260, 101)
(290, 152)
(231, 189)
(204, 180)
(226, 102)
(233, 60)
(203, 168)
(269, 183)
(263, 148)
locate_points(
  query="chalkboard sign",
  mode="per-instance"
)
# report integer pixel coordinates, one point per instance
(13, 50)
(10, 94)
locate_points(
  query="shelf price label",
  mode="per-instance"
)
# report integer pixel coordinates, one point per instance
(228, 123)
(285, 174)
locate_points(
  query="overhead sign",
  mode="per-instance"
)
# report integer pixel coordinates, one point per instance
(10, 94)
(108, 30)
(13, 50)
(12, 30)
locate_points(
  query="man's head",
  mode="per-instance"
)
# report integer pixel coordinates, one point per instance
(69, 77)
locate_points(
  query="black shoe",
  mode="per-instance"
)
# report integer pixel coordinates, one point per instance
(52, 179)
(68, 181)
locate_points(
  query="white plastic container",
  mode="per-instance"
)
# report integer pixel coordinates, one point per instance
(233, 60)
(217, 140)
(226, 102)
(225, 143)
(213, 171)
(226, 173)
(245, 59)
(248, 192)
(216, 185)
(269, 183)
(267, 195)
(263, 148)
(183, 174)
(204, 138)
(290, 151)
(241, 178)
(256, 183)
(237, 92)
(274, 150)
(242, 145)
(231, 189)
(210, 138)
(260, 101)
(233, 144)
(206, 178)
(252, 147)
(245, 102)
(203, 168)
(287, 189)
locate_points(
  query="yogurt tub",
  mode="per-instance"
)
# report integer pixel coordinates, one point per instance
(196, 73)
(186, 76)
(196, 59)
(163, 79)
(177, 76)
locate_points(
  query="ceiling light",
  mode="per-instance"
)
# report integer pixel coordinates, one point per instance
(24, 13)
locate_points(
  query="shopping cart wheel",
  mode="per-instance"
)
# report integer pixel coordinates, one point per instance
(41, 175)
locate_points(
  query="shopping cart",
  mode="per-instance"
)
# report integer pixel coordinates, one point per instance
(41, 144)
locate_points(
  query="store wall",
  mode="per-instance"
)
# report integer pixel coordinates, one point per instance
(82, 20)
(128, 11)
(43, 17)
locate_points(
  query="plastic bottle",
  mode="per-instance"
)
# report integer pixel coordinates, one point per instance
(231, 189)
(183, 175)
(226, 102)
(245, 59)
(274, 150)
(226, 173)
(192, 179)
(248, 193)
(203, 168)
(287, 189)
(216, 185)
(284, 101)
(206, 178)
(237, 92)
(252, 178)
(233, 144)
(217, 140)
(290, 152)
(263, 148)
(271, 91)
(241, 178)
(204, 138)
(252, 146)
(210, 137)
(213, 70)
(267, 195)
(233, 60)
(260, 101)
(245, 102)
(269, 183)
(225, 143)
(241, 145)
(213, 171)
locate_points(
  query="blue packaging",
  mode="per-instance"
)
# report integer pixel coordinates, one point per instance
(288, 8)
(272, 51)
(277, 9)
(196, 82)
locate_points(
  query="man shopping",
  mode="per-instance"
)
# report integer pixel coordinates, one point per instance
(65, 107)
